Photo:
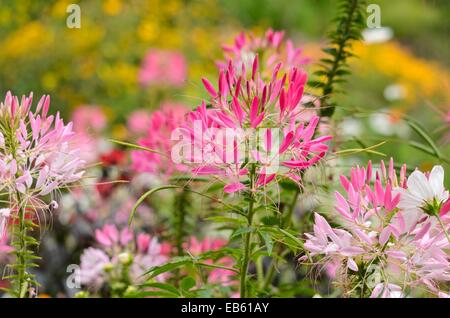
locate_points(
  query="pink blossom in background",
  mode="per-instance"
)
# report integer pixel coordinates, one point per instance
(5, 214)
(119, 249)
(386, 231)
(92, 267)
(149, 253)
(221, 276)
(139, 121)
(163, 68)
(89, 119)
(89, 122)
(109, 236)
(197, 247)
(158, 137)
(272, 46)
(5, 248)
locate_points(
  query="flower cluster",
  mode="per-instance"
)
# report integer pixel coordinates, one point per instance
(121, 258)
(37, 155)
(164, 68)
(272, 47)
(393, 239)
(89, 122)
(252, 121)
(158, 139)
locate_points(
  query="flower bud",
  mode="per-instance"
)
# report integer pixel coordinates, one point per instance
(125, 258)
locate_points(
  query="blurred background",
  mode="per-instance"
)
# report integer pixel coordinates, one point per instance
(130, 57)
(404, 73)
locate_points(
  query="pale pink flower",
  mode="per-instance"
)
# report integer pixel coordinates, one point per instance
(163, 68)
(37, 155)
(149, 254)
(120, 253)
(4, 218)
(92, 267)
(424, 193)
(139, 122)
(89, 119)
(109, 236)
(89, 123)
(5, 248)
(378, 236)
(387, 291)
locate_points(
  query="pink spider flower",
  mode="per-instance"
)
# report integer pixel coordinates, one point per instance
(247, 111)
(376, 241)
(163, 68)
(161, 124)
(273, 46)
(89, 119)
(37, 154)
(5, 248)
(139, 121)
(109, 236)
(149, 253)
(89, 123)
(221, 276)
(120, 252)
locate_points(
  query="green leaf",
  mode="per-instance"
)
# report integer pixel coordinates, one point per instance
(270, 220)
(145, 196)
(288, 184)
(224, 219)
(168, 288)
(422, 133)
(138, 147)
(187, 283)
(240, 231)
(188, 178)
(269, 243)
(175, 263)
(145, 294)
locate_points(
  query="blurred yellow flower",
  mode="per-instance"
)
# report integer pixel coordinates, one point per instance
(148, 30)
(26, 41)
(49, 81)
(420, 78)
(112, 7)
(119, 132)
(59, 8)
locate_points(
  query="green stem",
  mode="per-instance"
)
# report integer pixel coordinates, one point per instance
(443, 227)
(247, 238)
(180, 219)
(179, 214)
(285, 223)
(21, 250)
(338, 59)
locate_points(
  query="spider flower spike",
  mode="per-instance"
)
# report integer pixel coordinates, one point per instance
(37, 151)
(388, 230)
(272, 46)
(244, 108)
